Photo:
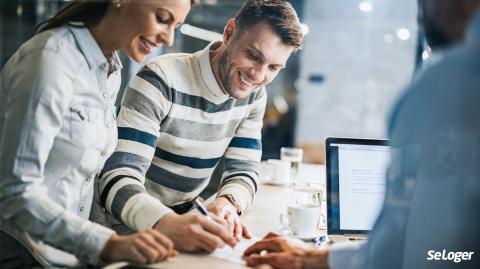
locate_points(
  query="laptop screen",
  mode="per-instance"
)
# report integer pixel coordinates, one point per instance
(356, 178)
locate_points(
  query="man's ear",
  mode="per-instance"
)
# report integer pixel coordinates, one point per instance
(229, 30)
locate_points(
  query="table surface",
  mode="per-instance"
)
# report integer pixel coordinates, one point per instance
(263, 217)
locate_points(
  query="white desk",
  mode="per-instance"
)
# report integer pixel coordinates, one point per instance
(263, 217)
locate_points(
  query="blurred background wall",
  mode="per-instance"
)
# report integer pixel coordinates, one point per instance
(357, 58)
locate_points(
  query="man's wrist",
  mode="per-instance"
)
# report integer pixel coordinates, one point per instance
(232, 201)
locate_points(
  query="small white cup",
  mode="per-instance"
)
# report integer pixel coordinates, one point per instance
(302, 220)
(277, 172)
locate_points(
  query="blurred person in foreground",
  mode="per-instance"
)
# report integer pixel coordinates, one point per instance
(431, 217)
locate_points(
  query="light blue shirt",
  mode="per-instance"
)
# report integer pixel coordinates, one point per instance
(57, 128)
(432, 202)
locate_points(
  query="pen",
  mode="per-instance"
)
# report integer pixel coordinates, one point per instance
(200, 207)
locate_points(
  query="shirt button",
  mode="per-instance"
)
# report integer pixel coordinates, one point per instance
(105, 95)
(103, 153)
(82, 208)
(109, 125)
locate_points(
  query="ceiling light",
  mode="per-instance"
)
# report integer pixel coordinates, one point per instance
(403, 34)
(200, 33)
(365, 7)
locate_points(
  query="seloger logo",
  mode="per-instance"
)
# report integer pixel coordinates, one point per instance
(455, 256)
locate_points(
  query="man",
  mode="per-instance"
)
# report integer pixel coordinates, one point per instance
(430, 218)
(182, 113)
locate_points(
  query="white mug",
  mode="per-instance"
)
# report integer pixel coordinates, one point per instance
(278, 172)
(302, 220)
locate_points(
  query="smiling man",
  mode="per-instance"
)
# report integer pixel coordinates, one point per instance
(182, 113)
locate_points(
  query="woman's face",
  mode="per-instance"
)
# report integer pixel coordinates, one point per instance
(144, 25)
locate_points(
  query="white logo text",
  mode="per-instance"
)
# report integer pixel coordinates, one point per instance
(456, 256)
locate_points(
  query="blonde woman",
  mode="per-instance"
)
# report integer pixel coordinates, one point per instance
(57, 128)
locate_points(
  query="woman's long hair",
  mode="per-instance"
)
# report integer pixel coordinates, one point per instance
(88, 12)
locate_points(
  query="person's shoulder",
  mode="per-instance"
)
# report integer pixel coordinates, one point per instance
(50, 40)
(455, 67)
(52, 47)
(171, 60)
(448, 82)
(173, 67)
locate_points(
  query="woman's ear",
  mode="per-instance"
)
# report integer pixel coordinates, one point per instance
(229, 31)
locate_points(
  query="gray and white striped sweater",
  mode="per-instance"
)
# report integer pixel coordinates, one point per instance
(174, 126)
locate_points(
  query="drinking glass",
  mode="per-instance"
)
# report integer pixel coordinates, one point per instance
(295, 157)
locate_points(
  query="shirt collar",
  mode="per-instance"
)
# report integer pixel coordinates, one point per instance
(116, 62)
(207, 71)
(473, 33)
(90, 49)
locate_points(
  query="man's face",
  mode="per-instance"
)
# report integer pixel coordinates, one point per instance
(251, 59)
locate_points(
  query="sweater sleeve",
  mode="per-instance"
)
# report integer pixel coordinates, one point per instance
(122, 191)
(243, 155)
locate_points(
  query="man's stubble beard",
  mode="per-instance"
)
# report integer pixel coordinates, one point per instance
(224, 68)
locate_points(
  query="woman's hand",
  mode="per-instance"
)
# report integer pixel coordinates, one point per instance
(143, 247)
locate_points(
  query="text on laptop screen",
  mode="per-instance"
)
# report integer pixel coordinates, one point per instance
(358, 177)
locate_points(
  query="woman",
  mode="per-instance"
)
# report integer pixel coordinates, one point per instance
(57, 128)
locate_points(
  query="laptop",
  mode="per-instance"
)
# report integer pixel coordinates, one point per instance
(356, 178)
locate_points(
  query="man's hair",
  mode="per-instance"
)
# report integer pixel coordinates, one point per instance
(278, 14)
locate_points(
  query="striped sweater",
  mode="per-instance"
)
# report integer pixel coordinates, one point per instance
(174, 126)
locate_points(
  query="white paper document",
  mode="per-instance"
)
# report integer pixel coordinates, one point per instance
(234, 254)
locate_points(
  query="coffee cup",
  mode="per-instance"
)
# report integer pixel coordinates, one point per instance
(302, 220)
(276, 172)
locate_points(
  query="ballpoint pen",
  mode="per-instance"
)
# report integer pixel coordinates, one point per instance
(200, 207)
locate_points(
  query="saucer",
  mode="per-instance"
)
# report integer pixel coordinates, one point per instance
(275, 183)
(269, 180)
(309, 238)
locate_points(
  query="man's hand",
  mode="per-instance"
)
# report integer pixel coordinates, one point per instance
(195, 233)
(276, 252)
(224, 209)
(142, 247)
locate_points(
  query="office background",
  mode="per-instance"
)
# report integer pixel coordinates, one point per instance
(357, 58)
